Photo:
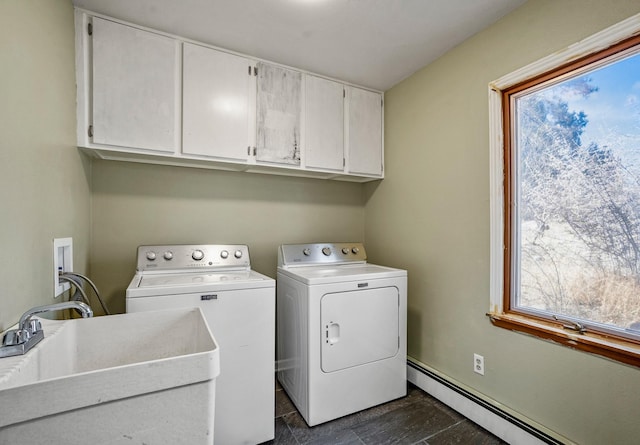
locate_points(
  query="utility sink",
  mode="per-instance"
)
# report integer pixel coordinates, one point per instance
(139, 378)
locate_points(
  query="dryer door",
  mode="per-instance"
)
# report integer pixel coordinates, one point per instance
(358, 327)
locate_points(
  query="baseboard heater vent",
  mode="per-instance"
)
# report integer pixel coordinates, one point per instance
(531, 431)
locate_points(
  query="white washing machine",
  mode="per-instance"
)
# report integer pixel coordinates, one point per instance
(341, 330)
(239, 306)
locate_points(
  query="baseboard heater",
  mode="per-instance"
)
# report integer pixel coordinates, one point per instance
(490, 417)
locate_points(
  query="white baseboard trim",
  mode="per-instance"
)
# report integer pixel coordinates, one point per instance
(495, 420)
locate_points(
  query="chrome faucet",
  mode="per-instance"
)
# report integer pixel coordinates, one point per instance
(84, 309)
(29, 332)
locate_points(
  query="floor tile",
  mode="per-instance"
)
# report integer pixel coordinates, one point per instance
(417, 418)
(282, 435)
(464, 432)
(283, 404)
(446, 408)
(406, 425)
(344, 437)
(305, 434)
(414, 395)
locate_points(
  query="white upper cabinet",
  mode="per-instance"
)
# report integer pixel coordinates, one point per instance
(324, 124)
(216, 97)
(135, 88)
(364, 132)
(279, 109)
(147, 96)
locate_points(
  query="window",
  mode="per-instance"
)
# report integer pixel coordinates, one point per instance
(569, 210)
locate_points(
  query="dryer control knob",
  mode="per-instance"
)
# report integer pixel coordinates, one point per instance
(224, 254)
(326, 251)
(151, 256)
(238, 254)
(168, 255)
(197, 255)
(355, 250)
(306, 252)
(345, 250)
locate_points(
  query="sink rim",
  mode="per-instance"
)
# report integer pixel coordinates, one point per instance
(87, 388)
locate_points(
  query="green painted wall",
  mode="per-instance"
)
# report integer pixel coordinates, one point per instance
(135, 204)
(431, 216)
(44, 180)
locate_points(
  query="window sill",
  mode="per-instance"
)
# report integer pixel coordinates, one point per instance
(613, 348)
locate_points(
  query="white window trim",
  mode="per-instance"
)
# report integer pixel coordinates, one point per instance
(599, 41)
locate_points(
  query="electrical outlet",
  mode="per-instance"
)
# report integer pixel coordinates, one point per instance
(62, 262)
(478, 364)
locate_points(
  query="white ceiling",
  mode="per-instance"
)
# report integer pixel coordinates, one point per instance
(373, 43)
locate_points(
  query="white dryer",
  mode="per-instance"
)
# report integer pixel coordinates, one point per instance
(341, 330)
(239, 306)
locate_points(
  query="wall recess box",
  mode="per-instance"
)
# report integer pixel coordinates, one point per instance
(62, 262)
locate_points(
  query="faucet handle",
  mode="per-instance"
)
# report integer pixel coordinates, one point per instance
(34, 326)
(16, 337)
(9, 338)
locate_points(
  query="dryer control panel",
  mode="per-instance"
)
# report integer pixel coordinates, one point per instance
(321, 253)
(193, 256)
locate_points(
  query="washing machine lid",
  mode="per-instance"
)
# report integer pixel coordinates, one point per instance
(191, 282)
(326, 274)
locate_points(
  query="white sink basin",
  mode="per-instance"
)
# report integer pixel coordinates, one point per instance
(145, 377)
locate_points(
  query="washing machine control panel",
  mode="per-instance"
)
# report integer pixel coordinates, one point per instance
(321, 253)
(193, 256)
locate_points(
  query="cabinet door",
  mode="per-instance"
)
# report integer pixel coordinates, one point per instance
(365, 132)
(215, 118)
(324, 124)
(279, 107)
(135, 88)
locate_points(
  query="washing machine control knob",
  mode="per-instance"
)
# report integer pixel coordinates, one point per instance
(197, 255)
(168, 255)
(355, 250)
(151, 256)
(306, 252)
(345, 250)
(224, 254)
(326, 251)
(238, 254)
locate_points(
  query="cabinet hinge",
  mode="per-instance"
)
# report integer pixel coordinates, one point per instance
(249, 70)
(248, 151)
(90, 29)
(344, 93)
(382, 102)
(255, 70)
(255, 151)
(344, 162)
(90, 132)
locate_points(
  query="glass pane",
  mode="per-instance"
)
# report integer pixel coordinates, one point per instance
(577, 218)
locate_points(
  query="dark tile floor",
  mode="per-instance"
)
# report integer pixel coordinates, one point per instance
(417, 418)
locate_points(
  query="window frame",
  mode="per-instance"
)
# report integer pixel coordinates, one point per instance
(597, 47)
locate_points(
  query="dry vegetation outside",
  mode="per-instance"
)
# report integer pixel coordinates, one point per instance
(577, 201)
(560, 275)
